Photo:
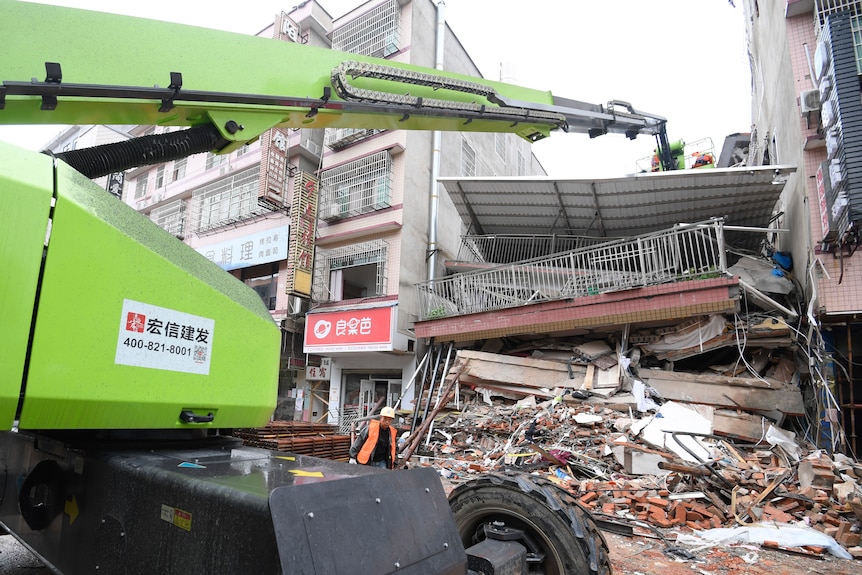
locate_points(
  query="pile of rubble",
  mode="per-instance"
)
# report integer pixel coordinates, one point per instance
(665, 449)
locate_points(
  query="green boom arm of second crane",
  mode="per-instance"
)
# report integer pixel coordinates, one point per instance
(241, 86)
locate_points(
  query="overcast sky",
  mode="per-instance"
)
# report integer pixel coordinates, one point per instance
(681, 59)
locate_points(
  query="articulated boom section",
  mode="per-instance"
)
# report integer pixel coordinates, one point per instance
(246, 85)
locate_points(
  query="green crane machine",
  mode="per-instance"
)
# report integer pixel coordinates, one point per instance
(126, 354)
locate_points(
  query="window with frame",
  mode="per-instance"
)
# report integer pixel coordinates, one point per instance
(141, 185)
(351, 272)
(357, 187)
(468, 159)
(171, 217)
(263, 279)
(227, 201)
(180, 169)
(213, 160)
(374, 33)
(160, 177)
(522, 164)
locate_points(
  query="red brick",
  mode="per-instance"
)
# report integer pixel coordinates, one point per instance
(678, 514)
(851, 540)
(776, 514)
(698, 508)
(587, 497)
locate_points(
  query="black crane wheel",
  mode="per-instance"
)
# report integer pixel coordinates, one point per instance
(559, 532)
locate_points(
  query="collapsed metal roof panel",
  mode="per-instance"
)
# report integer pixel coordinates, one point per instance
(620, 207)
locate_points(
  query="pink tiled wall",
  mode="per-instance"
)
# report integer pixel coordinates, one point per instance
(833, 297)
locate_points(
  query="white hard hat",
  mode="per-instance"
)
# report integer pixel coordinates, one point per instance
(387, 412)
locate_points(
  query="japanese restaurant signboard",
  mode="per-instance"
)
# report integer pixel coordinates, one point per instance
(252, 249)
(366, 329)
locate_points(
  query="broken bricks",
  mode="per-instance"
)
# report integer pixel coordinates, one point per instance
(590, 448)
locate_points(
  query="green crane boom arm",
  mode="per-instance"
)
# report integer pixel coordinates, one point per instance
(179, 75)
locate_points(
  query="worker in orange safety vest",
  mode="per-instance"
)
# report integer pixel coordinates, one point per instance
(376, 444)
(702, 159)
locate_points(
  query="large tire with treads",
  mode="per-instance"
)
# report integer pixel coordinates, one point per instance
(553, 519)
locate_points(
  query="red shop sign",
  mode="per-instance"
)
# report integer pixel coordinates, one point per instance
(368, 329)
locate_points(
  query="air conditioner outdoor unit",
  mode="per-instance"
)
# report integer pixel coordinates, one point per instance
(825, 87)
(809, 101)
(311, 146)
(836, 174)
(331, 211)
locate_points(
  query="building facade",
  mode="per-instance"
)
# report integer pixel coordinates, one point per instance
(806, 61)
(341, 284)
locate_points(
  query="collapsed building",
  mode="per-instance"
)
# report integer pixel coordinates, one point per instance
(666, 348)
(668, 280)
(661, 363)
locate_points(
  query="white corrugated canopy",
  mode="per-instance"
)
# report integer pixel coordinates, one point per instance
(621, 207)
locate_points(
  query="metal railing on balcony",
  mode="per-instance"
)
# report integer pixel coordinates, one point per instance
(339, 138)
(510, 248)
(684, 252)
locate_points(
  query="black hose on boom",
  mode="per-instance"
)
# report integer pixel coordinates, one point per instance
(106, 159)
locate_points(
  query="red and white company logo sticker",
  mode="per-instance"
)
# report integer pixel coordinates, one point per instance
(135, 322)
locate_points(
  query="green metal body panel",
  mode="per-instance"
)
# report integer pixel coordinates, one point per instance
(26, 187)
(201, 340)
(209, 61)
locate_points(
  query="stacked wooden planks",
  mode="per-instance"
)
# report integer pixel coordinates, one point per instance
(299, 437)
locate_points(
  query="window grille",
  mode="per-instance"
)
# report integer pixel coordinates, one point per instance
(213, 160)
(374, 33)
(468, 159)
(362, 254)
(826, 8)
(227, 201)
(180, 168)
(340, 138)
(171, 217)
(500, 145)
(363, 185)
(856, 29)
(141, 186)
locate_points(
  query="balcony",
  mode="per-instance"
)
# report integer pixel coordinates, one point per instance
(682, 253)
(340, 138)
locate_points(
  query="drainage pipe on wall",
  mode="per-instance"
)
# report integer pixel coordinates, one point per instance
(436, 144)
